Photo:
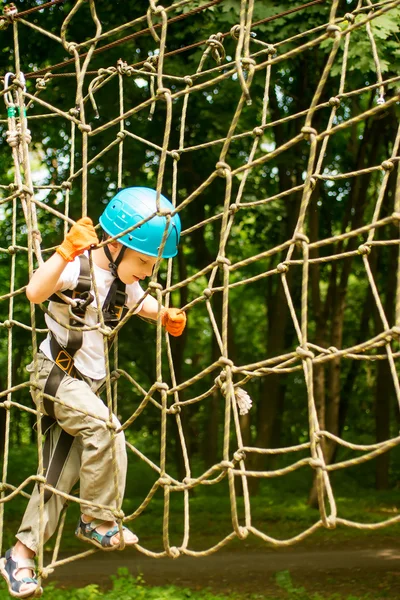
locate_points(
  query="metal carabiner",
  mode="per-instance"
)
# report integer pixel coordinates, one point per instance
(8, 99)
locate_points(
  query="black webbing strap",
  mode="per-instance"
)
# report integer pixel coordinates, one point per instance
(114, 307)
(53, 468)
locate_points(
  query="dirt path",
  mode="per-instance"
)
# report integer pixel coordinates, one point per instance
(355, 571)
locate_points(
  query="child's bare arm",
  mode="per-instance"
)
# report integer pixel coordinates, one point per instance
(46, 280)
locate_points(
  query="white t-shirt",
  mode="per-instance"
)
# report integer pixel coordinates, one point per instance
(89, 359)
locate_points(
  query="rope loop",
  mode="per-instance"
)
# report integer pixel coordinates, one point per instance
(225, 361)
(235, 32)
(217, 48)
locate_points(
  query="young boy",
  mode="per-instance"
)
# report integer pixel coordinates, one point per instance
(72, 368)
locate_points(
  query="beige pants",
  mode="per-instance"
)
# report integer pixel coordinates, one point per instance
(88, 457)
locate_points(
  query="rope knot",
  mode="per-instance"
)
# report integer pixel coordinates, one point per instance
(301, 237)
(7, 405)
(271, 49)
(66, 185)
(333, 30)
(188, 80)
(119, 514)
(41, 83)
(222, 167)
(332, 350)
(226, 464)
(115, 375)
(85, 128)
(350, 17)
(207, 293)
(242, 533)
(304, 353)
(222, 260)
(225, 361)
(121, 135)
(248, 62)
(161, 385)
(173, 552)
(71, 47)
(282, 268)
(334, 101)
(153, 285)
(174, 409)
(364, 250)
(258, 131)
(8, 324)
(175, 155)
(163, 92)
(12, 250)
(307, 131)
(164, 480)
(233, 208)
(111, 425)
(387, 165)
(239, 455)
(317, 463)
(12, 138)
(331, 522)
(10, 10)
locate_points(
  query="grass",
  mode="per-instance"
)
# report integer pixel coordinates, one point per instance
(127, 587)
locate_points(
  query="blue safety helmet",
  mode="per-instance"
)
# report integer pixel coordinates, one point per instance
(132, 205)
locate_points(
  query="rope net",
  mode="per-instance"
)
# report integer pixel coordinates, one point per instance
(230, 60)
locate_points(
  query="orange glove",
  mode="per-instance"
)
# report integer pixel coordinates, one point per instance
(174, 321)
(79, 238)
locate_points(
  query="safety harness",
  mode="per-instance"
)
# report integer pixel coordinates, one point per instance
(114, 309)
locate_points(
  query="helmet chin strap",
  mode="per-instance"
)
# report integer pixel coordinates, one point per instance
(113, 264)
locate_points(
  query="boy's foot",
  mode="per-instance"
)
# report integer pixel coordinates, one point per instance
(19, 574)
(104, 534)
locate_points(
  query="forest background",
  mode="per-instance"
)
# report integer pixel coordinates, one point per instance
(355, 399)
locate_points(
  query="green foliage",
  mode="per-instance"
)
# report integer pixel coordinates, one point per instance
(127, 587)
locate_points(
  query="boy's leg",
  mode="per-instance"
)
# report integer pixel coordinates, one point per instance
(98, 460)
(61, 463)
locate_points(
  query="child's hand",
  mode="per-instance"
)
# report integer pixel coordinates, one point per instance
(174, 321)
(80, 237)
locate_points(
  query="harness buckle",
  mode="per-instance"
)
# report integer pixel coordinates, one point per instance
(65, 361)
